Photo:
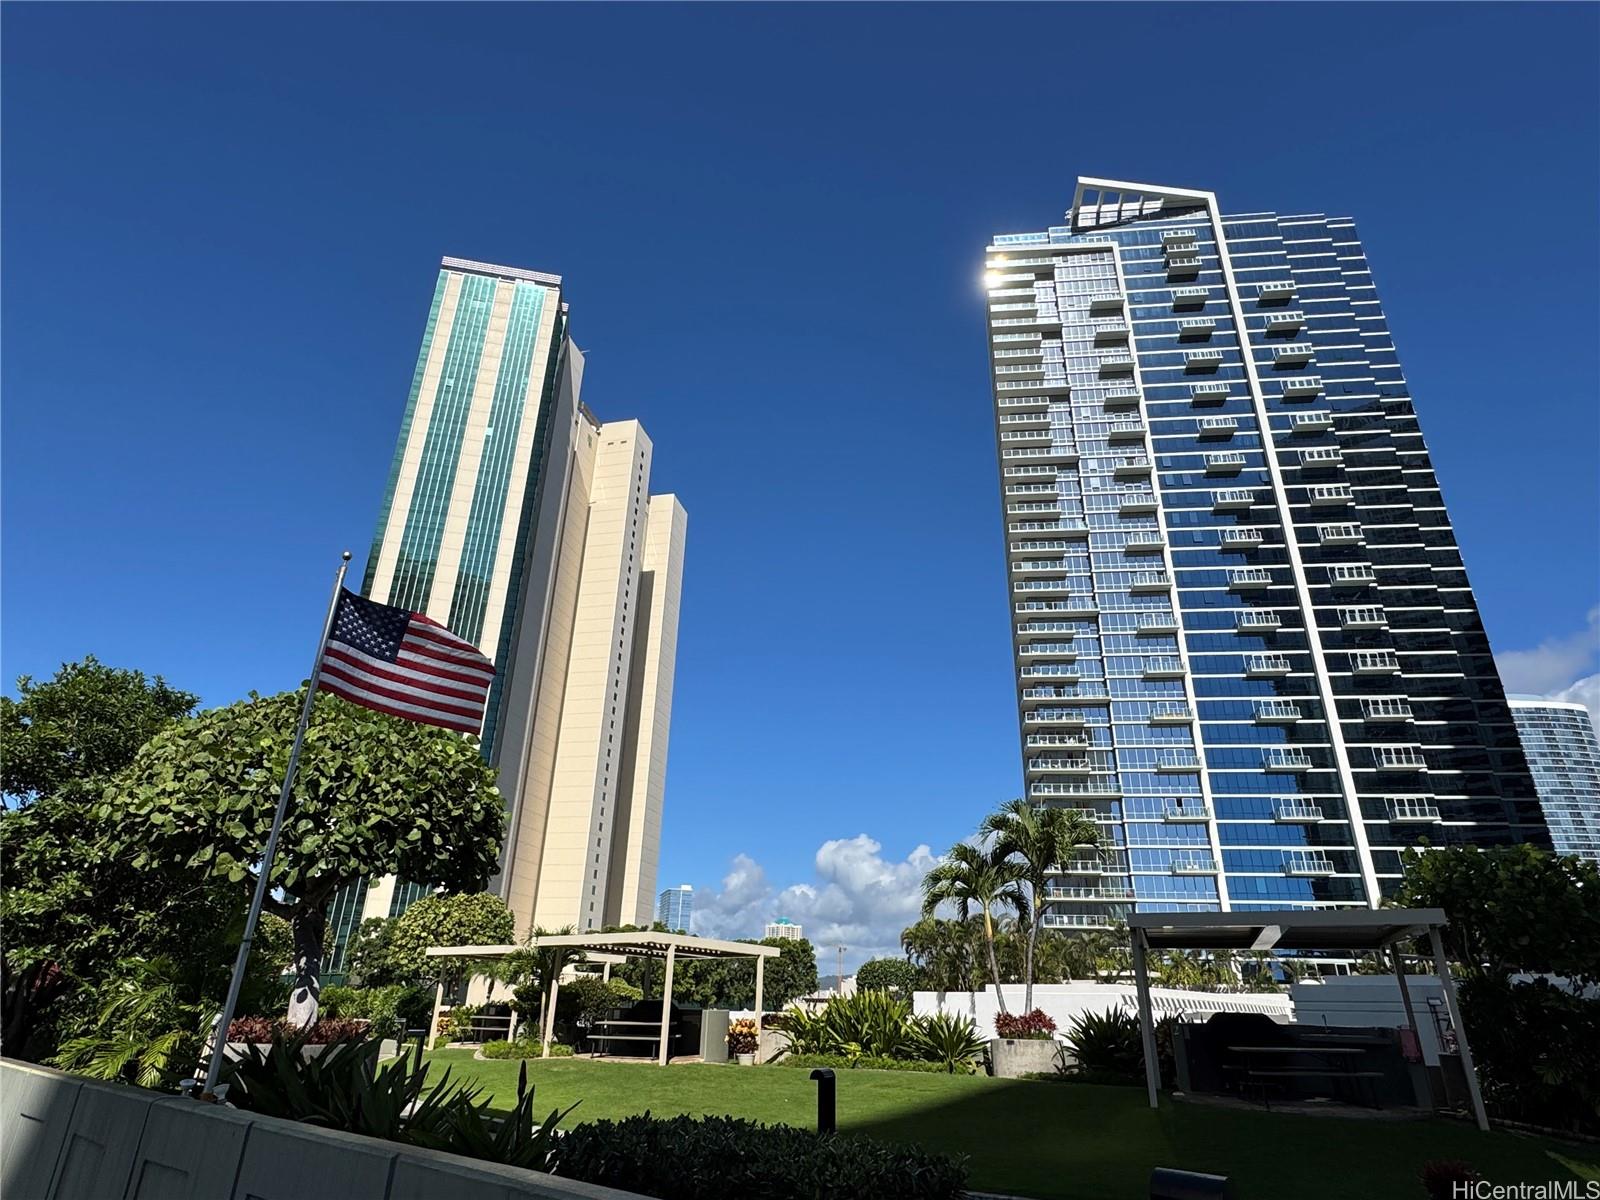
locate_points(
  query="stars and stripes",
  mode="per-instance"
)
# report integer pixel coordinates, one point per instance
(404, 664)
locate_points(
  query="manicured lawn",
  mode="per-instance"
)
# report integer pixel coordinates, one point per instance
(1072, 1141)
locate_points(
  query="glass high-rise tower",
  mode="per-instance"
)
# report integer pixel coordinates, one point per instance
(1562, 748)
(1245, 640)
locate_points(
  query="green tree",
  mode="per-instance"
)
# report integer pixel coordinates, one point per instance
(374, 795)
(731, 982)
(73, 911)
(532, 969)
(971, 879)
(460, 919)
(893, 975)
(1511, 909)
(1037, 838)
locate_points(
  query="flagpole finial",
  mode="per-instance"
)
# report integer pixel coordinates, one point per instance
(346, 556)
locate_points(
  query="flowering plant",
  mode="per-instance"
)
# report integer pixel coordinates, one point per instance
(742, 1036)
(1036, 1025)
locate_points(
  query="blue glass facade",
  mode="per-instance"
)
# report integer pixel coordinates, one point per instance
(1245, 639)
(1564, 752)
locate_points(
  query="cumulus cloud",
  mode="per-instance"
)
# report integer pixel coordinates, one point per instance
(1555, 664)
(857, 899)
(1585, 692)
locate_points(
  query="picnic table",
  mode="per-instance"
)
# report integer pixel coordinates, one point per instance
(606, 1032)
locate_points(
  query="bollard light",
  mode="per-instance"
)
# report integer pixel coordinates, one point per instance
(827, 1114)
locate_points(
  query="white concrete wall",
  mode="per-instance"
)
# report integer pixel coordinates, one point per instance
(1066, 1002)
(1372, 1000)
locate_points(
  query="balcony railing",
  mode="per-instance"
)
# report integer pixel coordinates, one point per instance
(1310, 422)
(1233, 498)
(1116, 364)
(1302, 385)
(1277, 289)
(1054, 716)
(1399, 758)
(1058, 741)
(1171, 712)
(1166, 667)
(1150, 581)
(1282, 322)
(1260, 665)
(1257, 621)
(1104, 300)
(1208, 393)
(1320, 458)
(1286, 758)
(1217, 426)
(1384, 708)
(1330, 494)
(1136, 501)
(1248, 578)
(1106, 891)
(1180, 814)
(1107, 787)
(1082, 607)
(1241, 539)
(1157, 622)
(1374, 662)
(1307, 862)
(1292, 353)
(1193, 863)
(1352, 575)
(1133, 465)
(1277, 711)
(1172, 762)
(1064, 766)
(1124, 430)
(1404, 808)
(1295, 812)
(1076, 921)
(1144, 541)
(1339, 535)
(1202, 360)
(1190, 297)
(1185, 265)
(1226, 462)
(1177, 237)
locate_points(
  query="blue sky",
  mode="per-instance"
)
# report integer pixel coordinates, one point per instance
(221, 226)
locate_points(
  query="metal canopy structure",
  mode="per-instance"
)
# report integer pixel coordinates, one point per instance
(609, 948)
(1378, 930)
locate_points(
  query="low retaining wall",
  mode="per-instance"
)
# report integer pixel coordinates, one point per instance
(1012, 1058)
(67, 1138)
(1066, 1002)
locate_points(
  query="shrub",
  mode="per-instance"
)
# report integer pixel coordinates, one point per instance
(1106, 1045)
(951, 1041)
(1538, 1051)
(862, 1062)
(339, 1001)
(1447, 1179)
(724, 1158)
(876, 1025)
(588, 999)
(742, 1036)
(261, 1030)
(524, 1048)
(894, 975)
(1036, 1025)
(459, 1020)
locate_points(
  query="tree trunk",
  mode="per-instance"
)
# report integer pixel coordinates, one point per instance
(1027, 954)
(994, 963)
(309, 923)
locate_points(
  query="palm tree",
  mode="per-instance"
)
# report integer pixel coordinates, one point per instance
(532, 963)
(1037, 838)
(970, 879)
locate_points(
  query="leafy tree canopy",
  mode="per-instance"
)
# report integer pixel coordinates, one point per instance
(1511, 909)
(461, 919)
(894, 975)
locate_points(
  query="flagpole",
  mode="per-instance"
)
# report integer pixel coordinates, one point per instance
(219, 1041)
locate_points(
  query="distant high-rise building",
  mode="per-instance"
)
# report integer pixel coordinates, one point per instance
(675, 908)
(1245, 641)
(1563, 750)
(783, 928)
(515, 517)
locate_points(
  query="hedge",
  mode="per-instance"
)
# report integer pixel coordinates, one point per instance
(840, 1062)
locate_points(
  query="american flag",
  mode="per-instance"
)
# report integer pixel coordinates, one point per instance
(405, 664)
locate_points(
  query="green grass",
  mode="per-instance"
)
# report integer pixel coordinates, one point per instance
(1072, 1141)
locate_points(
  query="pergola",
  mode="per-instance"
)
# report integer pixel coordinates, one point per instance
(616, 947)
(1353, 929)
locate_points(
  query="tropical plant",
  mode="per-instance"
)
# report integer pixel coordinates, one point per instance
(862, 1062)
(1106, 1045)
(143, 1032)
(743, 1037)
(1035, 1025)
(971, 879)
(374, 795)
(1037, 839)
(458, 919)
(460, 1021)
(531, 970)
(949, 1039)
(894, 975)
(945, 952)
(524, 1048)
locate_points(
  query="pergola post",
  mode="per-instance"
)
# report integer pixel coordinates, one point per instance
(761, 965)
(1147, 1030)
(550, 1017)
(1405, 994)
(438, 1003)
(666, 1003)
(1454, 1008)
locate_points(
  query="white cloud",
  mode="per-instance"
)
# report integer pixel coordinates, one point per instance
(1555, 664)
(1585, 692)
(858, 899)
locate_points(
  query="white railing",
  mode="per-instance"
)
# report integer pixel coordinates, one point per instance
(1307, 862)
(1296, 810)
(1277, 758)
(1242, 537)
(1383, 709)
(1277, 710)
(1233, 498)
(1266, 664)
(1337, 535)
(1249, 577)
(1356, 573)
(1374, 661)
(1170, 711)
(1218, 424)
(1400, 758)
(1403, 809)
(1251, 619)
(1193, 864)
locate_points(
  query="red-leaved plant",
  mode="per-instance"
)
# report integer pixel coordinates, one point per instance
(1036, 1024)
(323, 1033)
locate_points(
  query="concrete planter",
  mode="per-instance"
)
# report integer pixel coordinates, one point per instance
(746, 1060)
(1012, 1058)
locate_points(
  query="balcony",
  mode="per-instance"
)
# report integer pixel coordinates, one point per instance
(1190, 297)
(1068, 525)
(1150, 581)
(1054, 716)
(1187, 814)
(1339, 535)
(1275, 291)
(1162, 667)
(1277, 712)
(1171, 712)
(1085, 693)
(1408, 810)
(1123, 431)
(1116, 364)
(1352, 575)
(1217, 427)
(1364, 617)
(1076, 921)
(1248, 578)
(1307, 862)
(1241, 539)
(1111, 330)
(1256, 621)
(1154, 623)
(1039, 436)
(1130, 467)
(1208, 393)
(1074, 606)
(1374, 662)
(1293, 354)
(1196, 329)
(1058, 741)
(1105, 301)
(1286, 758)
(1262, 666)
(1061, 766)
(1177, 237)
(1177, 762)
(1201, 360)
(1105, 891)
(1330, 495)
(1310, 422)
(1301, 386)
(1226, 462)
(1384, 709)
(1183, 267)
(1399, 758)
(1103, 789)
(1321, 458)
(1088, 864)
(1026, 403)
(1285, 322)
(1296, 812)
(1232, 498)
(1136, 500)
(1193, 862)
(1052, 672)
(1062, 650)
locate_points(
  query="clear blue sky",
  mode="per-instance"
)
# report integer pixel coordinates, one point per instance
(221, 226)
